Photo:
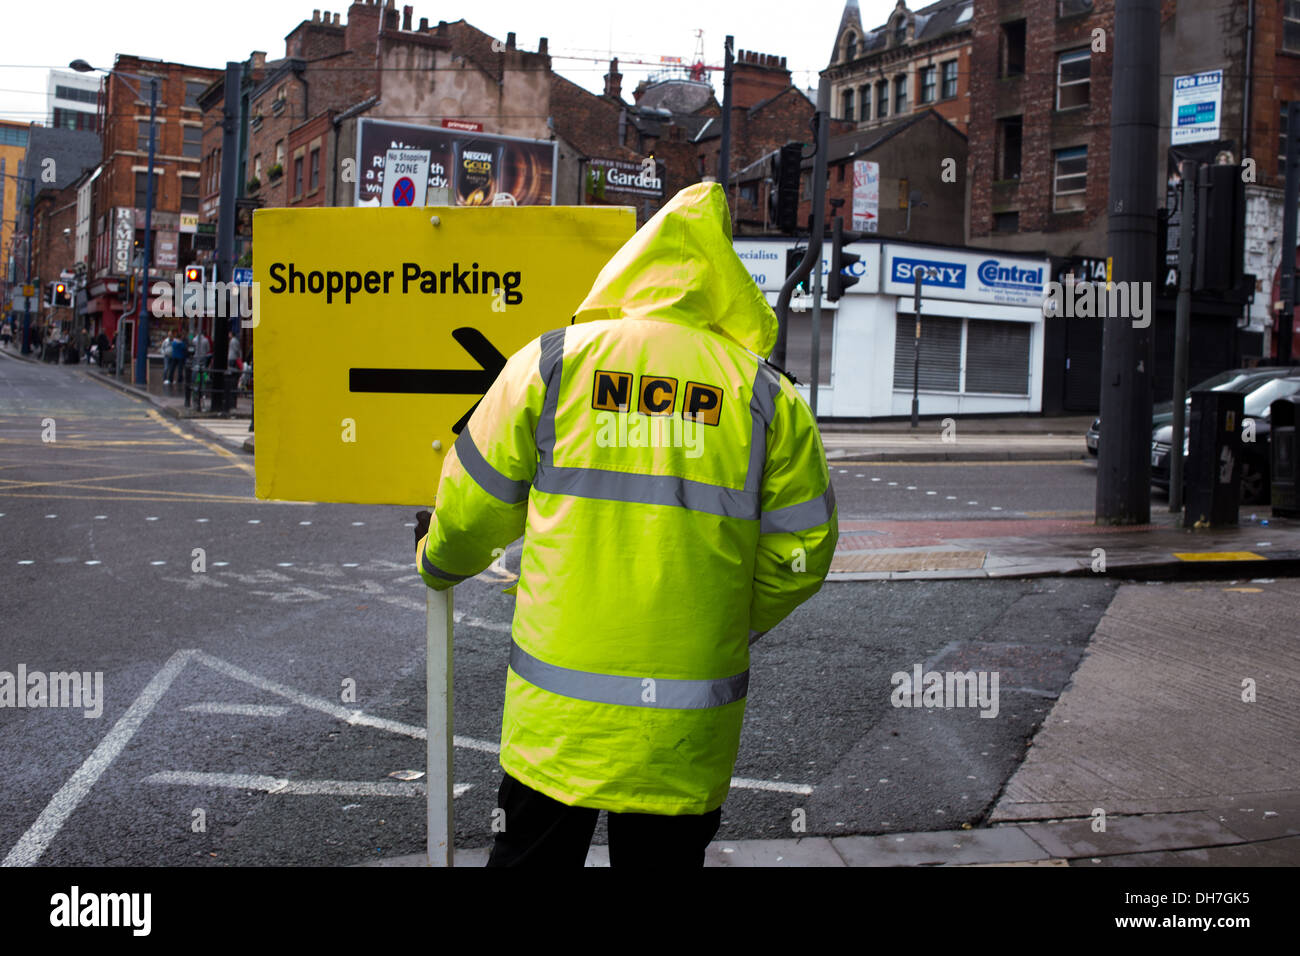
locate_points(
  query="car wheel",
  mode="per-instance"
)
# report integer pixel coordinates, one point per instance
(1254, 483)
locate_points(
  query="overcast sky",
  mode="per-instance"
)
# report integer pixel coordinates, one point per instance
(41, 37)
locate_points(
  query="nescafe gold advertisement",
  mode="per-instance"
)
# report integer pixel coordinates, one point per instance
(465, 169)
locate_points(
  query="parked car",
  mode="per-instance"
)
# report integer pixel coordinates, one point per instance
(1255, 454)
(1232, 380)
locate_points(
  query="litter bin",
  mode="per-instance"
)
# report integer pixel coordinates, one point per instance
(1213, 466)
(1283, 414)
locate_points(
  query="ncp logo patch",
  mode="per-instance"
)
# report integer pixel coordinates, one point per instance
(702, 403)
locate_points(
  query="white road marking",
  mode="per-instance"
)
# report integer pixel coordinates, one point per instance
(356, 718)
(357, 524)
(92, 562)
(254, 520)
(153, 518)
(304, 522)
(202, 520)
(157, 563)
(101, 517)
(26, 562)
(51, 516)
(351, 564)
(779, 786)
(220, 564)
(47, 826)
(239, 710)
(286, 787)
(284, 564)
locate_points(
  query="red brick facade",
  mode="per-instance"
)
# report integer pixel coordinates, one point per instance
(1008, 90)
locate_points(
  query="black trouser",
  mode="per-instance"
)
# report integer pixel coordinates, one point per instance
(543, 832)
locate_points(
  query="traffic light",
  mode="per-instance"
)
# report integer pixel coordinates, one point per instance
(59, 296)
(1220, 228)
(783, 198)
(839, 280)
(194, 274)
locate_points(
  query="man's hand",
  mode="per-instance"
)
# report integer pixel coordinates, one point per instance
(422, 519)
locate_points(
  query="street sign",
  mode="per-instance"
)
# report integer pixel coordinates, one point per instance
(406, 177)
(243, 276)
(378, 332)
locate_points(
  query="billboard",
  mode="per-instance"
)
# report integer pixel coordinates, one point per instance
(465, 169)
(866, 196)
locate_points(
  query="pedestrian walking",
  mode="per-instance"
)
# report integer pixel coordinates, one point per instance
(649, 564)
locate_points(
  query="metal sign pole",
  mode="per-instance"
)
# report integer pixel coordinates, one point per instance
(438, 674)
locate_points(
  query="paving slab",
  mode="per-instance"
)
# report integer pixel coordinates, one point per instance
(1285, 852)
(1154, 719)
(1072, 839)
(805, 851)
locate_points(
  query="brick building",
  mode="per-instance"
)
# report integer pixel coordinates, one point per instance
(915, 61)
(13, 208)
(119, 195)
(54, 221)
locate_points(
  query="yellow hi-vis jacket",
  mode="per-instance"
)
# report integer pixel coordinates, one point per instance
(675, 502)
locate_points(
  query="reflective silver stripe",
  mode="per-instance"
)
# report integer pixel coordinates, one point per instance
(550, 365)
(800, 517)
(434, 571)
(661, 692)
(647, 490)
(762, 409)
(488, 478)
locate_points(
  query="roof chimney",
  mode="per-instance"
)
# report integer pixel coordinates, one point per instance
(614, 81)
(510, 40)
(406, 18)
(424, 24)
(315, 16)
(542, 46)
(336, 19)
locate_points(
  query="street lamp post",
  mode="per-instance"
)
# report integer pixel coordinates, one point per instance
(142, 326)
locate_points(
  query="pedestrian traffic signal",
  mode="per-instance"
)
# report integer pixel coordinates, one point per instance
(841, 273)
(783, 198)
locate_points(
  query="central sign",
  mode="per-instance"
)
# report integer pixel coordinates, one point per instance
(378, 332)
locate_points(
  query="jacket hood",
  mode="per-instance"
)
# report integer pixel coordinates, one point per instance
(680, 266)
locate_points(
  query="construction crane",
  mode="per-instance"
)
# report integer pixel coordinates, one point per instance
(697, 69)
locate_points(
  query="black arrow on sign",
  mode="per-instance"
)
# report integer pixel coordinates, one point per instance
(438, 381)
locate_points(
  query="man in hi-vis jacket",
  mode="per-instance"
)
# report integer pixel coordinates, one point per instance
(673, 495)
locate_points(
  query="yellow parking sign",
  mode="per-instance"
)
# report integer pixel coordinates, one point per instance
(378, 330)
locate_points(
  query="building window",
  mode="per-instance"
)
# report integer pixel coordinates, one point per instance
(949, 89)
(189, 194)
(1291, 26)
(142, 190)
(192, 90)
(315, 169)
(882, 99)
(193, 144)
(1010, 132)
(257, 167)
(1070, 181)
(850, 47)
(929, 81)
(13, 136)
(1072, 8)
(900, 32)
(279, 154)
(297, 175)
(900, 94)
(864, 102)
(1013, 48)
(1073, 79)
(848, 105)
(1006, 222)
(748, 191)
(142, 136)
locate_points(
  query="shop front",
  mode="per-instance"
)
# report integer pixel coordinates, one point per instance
(981, 330)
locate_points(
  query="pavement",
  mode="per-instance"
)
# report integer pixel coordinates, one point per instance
(1178, 739)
